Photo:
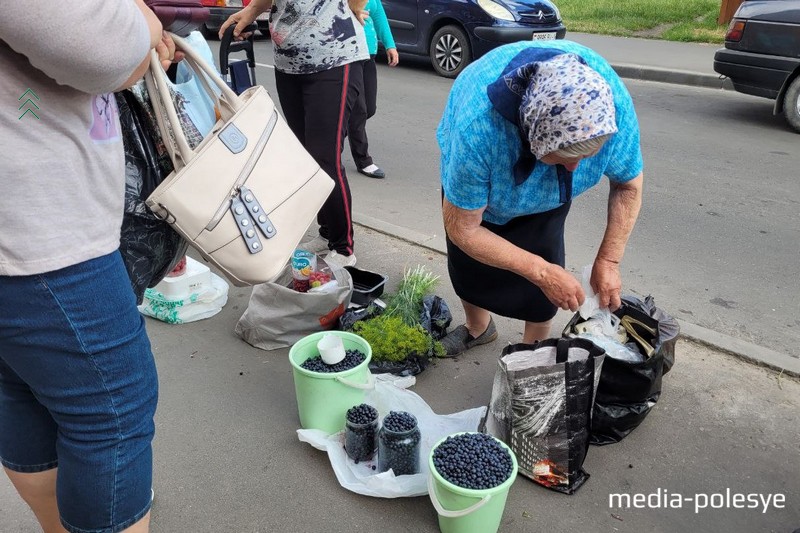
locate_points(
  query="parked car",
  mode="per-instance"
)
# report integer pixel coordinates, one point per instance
(220, 10)
(454, 32)
(762, 54)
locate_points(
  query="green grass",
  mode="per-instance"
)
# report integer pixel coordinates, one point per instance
(673, 20)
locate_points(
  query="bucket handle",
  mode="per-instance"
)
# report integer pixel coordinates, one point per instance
(369, 385)
(453, 514)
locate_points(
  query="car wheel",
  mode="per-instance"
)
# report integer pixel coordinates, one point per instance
(449, 51)
(791, 104)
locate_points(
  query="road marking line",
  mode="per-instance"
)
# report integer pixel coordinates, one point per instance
(264, 65)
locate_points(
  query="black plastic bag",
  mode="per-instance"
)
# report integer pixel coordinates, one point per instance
(436, 316)
(150, 248)
(412, 365)
(628, 391)
(354, 314)
(541, 406)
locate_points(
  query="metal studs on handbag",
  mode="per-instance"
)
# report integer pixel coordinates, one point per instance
(249, 214)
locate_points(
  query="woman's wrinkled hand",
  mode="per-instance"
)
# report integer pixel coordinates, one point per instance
(561, 288)
(607, 283)
(166, 51)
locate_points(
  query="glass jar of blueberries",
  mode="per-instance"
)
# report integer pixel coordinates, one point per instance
(398, 444)
(361, 432)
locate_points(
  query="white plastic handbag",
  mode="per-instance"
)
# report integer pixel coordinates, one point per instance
(246, 195)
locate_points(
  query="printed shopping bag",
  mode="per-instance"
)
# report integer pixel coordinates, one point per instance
(541, 406)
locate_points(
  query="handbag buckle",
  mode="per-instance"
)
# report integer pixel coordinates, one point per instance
(249, 215)
(245, 225)
(163, 214)
(257, 212)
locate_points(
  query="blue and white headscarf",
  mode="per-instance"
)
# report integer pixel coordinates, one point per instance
(566, 102)
(555, 100)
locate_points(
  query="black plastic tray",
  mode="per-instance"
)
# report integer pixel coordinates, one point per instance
(366, 285)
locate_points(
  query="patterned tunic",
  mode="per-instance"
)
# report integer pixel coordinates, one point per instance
(315, 35)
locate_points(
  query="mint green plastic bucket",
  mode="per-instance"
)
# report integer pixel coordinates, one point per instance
(323, 399)
(466, 510)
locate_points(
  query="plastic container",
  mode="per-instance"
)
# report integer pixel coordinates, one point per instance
(366, 285)
(361, 440)
(303, 264)
(331, 349)
(399, 450)
(323, 399)
(195, 280)
(466, 510)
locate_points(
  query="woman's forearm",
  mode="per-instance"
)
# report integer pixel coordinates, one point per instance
(153, 24)
(624, 203)
(260, 6)
(489, 248)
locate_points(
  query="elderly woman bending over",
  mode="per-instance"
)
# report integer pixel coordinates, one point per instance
(527, 128)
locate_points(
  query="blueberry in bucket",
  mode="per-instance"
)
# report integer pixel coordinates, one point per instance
(473, 461)
(352, 359)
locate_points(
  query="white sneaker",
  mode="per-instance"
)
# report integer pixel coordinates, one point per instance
(340, 260)
(315, 245)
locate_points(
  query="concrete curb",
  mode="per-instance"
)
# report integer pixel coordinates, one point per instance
(747, 351)
(678, 77)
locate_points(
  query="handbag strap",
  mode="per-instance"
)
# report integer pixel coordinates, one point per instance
(227, 101)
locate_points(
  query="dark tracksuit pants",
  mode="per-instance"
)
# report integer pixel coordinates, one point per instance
(363, 109)
(317, 109)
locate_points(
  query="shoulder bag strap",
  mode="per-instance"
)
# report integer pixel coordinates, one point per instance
(227, 101)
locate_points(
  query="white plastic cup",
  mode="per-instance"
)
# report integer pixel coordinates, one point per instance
(331, 349)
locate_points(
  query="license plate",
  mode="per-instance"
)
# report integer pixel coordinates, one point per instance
(544, 36)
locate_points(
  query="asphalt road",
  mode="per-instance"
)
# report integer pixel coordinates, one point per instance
(227, 458)
(717, 239)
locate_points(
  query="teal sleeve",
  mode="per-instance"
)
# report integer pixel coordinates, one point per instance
(378, 15)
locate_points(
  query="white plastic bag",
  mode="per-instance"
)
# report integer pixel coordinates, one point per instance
(205, 303)
(599, 321)
(388, 396)
(613, 348)
(601, 326)
(199, 105)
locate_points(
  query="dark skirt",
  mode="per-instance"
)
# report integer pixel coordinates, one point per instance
(503, 292)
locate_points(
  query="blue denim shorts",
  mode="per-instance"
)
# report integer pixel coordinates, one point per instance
(78, 391)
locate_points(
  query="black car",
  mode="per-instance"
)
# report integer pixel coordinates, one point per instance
(454, 32)
(762, 54)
